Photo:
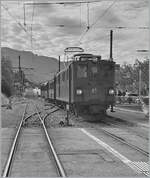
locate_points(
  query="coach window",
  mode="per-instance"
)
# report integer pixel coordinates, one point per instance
(58, 79)
(67, 74)
(81, 71)
(63, 76)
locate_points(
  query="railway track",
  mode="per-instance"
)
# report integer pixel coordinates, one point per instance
(13, 147)
(21, 136)
(128, 124)
(125, 142)
(122, 140)
(116, 124)
(58, 163)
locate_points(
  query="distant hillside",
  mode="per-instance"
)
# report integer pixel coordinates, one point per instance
(44, 67)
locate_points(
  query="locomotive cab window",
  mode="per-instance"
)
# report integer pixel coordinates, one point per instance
(94, 69)
(81, 71)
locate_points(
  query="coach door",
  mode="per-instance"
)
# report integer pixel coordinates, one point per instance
(70, 78)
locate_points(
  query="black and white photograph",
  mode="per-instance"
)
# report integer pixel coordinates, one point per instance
(75, 88)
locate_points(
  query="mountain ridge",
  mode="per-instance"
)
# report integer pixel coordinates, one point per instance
(44, 67)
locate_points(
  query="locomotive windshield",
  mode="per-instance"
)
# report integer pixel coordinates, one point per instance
(82, 71)
(87, 58)
(95, 59)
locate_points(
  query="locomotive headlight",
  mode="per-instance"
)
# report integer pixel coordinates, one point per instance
(79, 92)
(111, 92)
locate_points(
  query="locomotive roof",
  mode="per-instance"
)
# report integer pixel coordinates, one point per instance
(44, 84)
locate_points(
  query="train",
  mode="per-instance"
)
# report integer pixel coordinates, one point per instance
(86, 85)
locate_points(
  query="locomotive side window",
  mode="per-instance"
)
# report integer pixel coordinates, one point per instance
(82, 71)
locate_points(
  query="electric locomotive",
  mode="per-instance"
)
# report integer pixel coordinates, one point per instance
(87, 84)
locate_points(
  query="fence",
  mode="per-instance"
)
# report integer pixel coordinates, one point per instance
(127, 99)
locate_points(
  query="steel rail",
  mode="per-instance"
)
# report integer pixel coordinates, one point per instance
(116, 123)
(58, 163)
(13, 147)
(49, 114)
(141, 135)
(125, 142)
(33, 114)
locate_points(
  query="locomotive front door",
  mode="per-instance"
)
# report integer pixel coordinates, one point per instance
(93, 88)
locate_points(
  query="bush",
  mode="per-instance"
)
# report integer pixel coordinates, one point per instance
(6, 88)
(7, 77)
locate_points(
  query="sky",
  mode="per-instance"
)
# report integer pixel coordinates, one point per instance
(47, 29)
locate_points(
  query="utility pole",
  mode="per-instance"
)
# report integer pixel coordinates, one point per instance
(111, 45)
(59, 75)
(59, 65)
(20, 76)
(140, 81)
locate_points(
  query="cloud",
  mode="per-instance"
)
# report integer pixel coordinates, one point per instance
(65, 25)
(132, 6)
(56, 27)
(44, 37)
(43, 9)
(66, 21)
(38, 27)
(108, 19)
(16, 29)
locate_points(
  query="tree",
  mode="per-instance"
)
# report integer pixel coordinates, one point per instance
(126, 77)
(129, 76)
(7, 77)
(144, 67)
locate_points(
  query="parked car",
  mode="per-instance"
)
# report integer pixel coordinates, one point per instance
(132, 98)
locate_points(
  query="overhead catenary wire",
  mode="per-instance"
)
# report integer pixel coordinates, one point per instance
(123, 27)
(88, 16)
(89, 40)
(89, 27)
(32, 31)
(80, 15)
(94, 23)
(64, 2)
(24, 10)
(23, 27)
(17, 22)
(14, 18)
(106, 10)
